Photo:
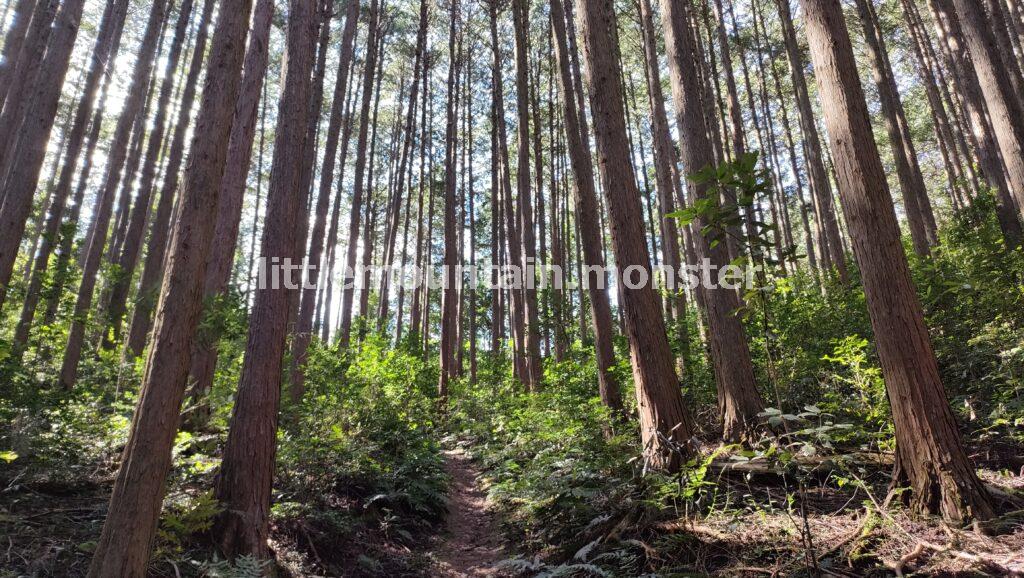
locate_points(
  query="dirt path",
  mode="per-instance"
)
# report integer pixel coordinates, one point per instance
(471, 544)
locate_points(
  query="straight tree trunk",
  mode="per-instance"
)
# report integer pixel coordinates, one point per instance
(666, 172)
(303, 332)
(967, 85)
(738, 399)
(915, 195)
(820, 185)
(534, 367)
(127, 537)
(348, 285)
(247, 470)
(585, 197)
(115, 162)
(452, 277)
(229, 205)
(332, 236)
(665, 425)
(513, 242)
(14, 37)
(930, 457)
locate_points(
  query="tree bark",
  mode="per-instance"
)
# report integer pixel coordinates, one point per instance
(303, 331)
(821, 189)
(229, 205)
(369, 71)
(915, 195)
(29, 151)
(665, 425)
(132, 243)
(585, 197)
(107, 40)
(247, 470)
(115, 162)
(930, 457)
(157, 245)
(1004, 108)
(738, 399)
(127, 536)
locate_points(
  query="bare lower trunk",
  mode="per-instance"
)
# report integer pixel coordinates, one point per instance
(930, 457)
(127, 536)
(247, 471)
(664, 423)
(738, 399)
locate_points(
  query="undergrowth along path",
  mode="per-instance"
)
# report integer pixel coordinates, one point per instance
(471, 544)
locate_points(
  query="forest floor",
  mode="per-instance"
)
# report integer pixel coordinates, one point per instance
(471, 544)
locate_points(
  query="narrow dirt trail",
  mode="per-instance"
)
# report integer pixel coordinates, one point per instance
(471, 544)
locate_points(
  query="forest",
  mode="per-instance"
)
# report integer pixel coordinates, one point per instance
(521, 288)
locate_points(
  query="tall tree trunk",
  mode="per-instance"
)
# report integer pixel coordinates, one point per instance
(585, 197)
(534, 367)
(303, 332)
(14, 37)
(29, 151)
(332, 236)
(915, 195)
(23, 81)
(666, 173)
(665, 425)
(229, 205)
(247, 470)
(408, 133)
(452, 277)
(107, 40)
(132, 243)
(738, 399)
(967, 86)
(160, 228)
(115, 162)
(930, 457)
(127, 536)
(348, 284)
(821, 188)
(1004, 108)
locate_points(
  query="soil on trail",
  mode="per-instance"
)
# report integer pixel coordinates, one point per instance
(471, 544)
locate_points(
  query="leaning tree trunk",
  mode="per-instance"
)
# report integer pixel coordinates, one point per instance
(107, 40)
(229, 207)
(1005, 110)
(115, 162)
(132, 242)
(156, 246)
(665, 425)
(127, 536)
(821, 188)
(930, 458)
(29, 151)
(738, 399)
(915, 195)
(247, 470)
(585, 197)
